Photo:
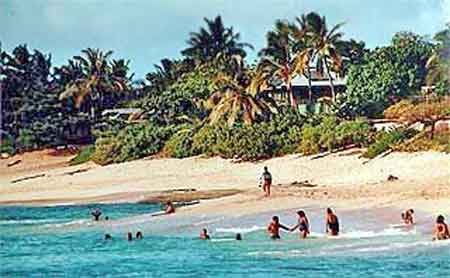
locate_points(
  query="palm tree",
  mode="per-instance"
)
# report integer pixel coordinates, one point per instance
(238, 98)
(325, 43)
(207, 43)
(277, 57)
(99, 82)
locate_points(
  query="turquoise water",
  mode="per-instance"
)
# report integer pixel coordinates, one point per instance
(60, 242)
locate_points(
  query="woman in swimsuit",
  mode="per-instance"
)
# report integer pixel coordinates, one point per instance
(302, 225)
(274, 228)
(441, 229)
(332, 226)
(407, 217)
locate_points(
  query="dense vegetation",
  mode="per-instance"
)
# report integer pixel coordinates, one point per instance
(212, 102)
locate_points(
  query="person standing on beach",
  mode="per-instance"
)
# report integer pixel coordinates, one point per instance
(302, 225)
(266, 181)
(274, 228)
(332, 223)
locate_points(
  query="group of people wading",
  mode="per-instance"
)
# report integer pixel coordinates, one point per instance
(331, 227)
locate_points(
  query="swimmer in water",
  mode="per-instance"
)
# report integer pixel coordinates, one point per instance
(302, 225)
(139, 235)
(408, 217)
(238, 236)
(108, 237)
(169, 208)
(332, 223)
(204, 235)
(130, 236)
(441, 231)
(96, 213)
(274, 228)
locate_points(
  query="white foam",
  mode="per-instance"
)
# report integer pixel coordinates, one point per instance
(29, 221)
(241, 230)
(371, 234)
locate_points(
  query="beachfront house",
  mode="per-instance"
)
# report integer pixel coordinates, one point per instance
(320, 87)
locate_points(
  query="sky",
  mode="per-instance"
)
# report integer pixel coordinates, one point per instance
(145, 31)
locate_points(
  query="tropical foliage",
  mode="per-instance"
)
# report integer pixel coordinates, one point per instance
(211, 101)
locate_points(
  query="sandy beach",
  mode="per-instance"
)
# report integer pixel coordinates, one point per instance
(340, 180)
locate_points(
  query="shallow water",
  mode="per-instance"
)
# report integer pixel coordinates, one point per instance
(60, 242)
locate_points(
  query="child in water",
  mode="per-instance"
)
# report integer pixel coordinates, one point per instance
(332, 223)
(274, 228)
(407, 217)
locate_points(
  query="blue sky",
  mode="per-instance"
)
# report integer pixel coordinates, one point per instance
(145, 31)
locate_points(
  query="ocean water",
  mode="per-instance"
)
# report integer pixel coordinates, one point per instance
(63, 242)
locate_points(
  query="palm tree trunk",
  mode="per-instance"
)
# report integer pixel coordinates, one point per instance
(292, 100)
(330, 78)
(309, 83)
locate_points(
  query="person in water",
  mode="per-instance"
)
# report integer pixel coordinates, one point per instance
(130, 236)
(139, 235)
(238, 236)
(408, 217)
(302, 225)
(169, 207)
(108, 237)
(266, 181)
(441, 231)
(332, 223)
(96, 213)
(204, 235)
(274, 228)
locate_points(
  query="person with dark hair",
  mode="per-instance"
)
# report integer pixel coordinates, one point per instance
(266, 179)
(332, 223)
(407, 217)
(204, 235)
(274, 228)
(130, 236)
(238, 236)
(169, 207)
(302, 225)
(108, 237)
(441, 231)
(139, 235)
(96, 213)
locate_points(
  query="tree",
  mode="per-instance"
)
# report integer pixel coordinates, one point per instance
(325, 44)
(438, 64)
(277, 58)
(206, 44)
(385, 76)
(238, 98)
(101, 83)
(168, 73)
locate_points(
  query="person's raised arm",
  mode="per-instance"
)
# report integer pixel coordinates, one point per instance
(295, 227)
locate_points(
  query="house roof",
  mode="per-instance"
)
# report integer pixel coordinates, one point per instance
(302, 81)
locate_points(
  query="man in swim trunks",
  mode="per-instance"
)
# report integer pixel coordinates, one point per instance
(204, 235)
(274, 228)
(407, 217)
(302, 225)
(266, 181)
(332, 223)
(441, 231)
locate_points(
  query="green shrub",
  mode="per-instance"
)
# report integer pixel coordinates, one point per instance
(330, 135)
(84, 156)
(7, 145)
(133, 142)
(250, 142)
(385, 140)
(180, 144)
(26, 140)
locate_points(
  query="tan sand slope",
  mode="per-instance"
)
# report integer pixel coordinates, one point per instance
(132, 180)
